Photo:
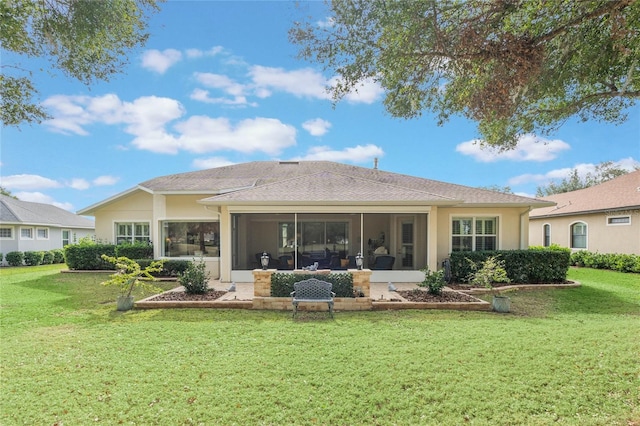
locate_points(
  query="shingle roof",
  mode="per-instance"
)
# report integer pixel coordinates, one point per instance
(17, 211)
(288, 181)
(620, 193)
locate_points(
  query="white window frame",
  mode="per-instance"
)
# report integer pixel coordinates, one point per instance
(586, 235)
(46, 233)
(627, 223)
(11, 231)
(26, 228)
(544, 234)
(133, 235)
(474, 217)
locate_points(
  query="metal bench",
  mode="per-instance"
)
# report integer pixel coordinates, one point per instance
(312, 290)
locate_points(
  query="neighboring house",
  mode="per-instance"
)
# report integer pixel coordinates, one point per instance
(603, 218)
(26, 226)
(312, 211)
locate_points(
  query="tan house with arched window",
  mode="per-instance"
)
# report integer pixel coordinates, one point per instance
(603, 218)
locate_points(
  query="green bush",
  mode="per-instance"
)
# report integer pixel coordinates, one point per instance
(195, 279)
(170, 268)
(434, 281)
(1, 257)
(15, 258)
(86, 256)
(282, 283)
(58, 255)
(47, 258)
(491, 271)
(613, 261)
(532, 266)
(33, 258)
(136, 250)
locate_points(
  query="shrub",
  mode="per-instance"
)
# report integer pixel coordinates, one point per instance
(615, 261)
(130, 275)
(58, 255)
(1, 257)
(33, 258)
(491, 271)
(15, 258)
(195, 279)
(170, 268)
(47, 258)
(282, 283)
(87, 256)
(137, 250)
(434, 281)
(544, 265)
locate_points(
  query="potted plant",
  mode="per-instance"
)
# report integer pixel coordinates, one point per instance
(128, 276)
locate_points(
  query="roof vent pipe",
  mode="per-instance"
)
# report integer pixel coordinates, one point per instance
(375, 163)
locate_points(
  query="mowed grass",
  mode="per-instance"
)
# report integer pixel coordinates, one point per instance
(569, 357)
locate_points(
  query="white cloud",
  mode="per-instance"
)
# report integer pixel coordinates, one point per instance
(317, 126)
(529, 148)
(79, 184)
(105, 180)
(219, 81)
(39, 197)
(328, 22)
(309, 83)
(160, 61)
(357, 154)
(28, 182)
(203, 96)
(204, 134)
(583, 169)
(147, 119)
(210, 163)
(198, 53)
(304, 82)
(367, 92)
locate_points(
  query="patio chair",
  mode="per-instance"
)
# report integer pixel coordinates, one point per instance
(384, 262)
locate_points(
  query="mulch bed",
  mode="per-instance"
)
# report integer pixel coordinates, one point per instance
(445, 296)
(183, 296)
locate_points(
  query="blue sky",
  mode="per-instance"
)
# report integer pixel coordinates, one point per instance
(218, 83)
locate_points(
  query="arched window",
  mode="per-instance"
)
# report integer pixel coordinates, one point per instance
(546, 236)
(579, 235)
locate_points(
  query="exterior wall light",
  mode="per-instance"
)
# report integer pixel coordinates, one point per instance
(264, 260)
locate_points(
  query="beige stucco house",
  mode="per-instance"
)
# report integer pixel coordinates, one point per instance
(603, 218)
(312, 211)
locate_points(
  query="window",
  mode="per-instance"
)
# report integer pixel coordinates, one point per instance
(314, 237)
(474, 234)
(42, 233)
(66, 237)
(546, 235)
(191, 239)
(6, 233)
(618, 220)
(26, 233)
(579, 235)
(132, 232)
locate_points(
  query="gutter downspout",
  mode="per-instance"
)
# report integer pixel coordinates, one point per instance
(524, 241)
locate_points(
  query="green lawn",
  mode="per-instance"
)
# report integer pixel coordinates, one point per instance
(568, 357)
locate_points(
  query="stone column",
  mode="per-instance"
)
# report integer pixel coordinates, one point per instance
(362, 279)
(262, 282)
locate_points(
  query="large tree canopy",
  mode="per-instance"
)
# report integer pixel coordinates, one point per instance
(513, 66)
(87, 40)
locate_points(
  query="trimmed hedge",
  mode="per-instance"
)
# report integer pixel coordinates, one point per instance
(15, 258)
(282, 283)
(613, 261)
(47, 258)
(135, 251)
(533, 266)
(88, 256)
(58, 255)
(33, 258)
